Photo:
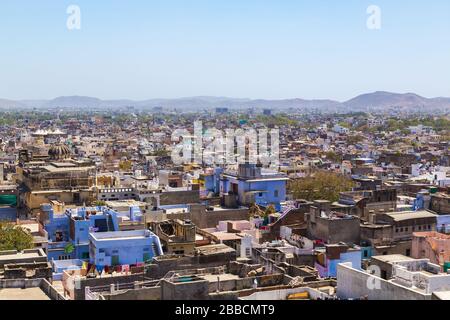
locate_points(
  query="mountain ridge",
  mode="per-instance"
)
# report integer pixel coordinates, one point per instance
(377, 100)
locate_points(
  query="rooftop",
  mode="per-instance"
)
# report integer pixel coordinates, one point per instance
(214, 248)
(401, 216)
(391, 258)
(26, 254)
(121, 235)
(23, 294)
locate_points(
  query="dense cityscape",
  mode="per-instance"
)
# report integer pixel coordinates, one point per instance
(352, 206)
(216, 159)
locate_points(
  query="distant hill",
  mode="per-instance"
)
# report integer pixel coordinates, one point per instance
(382, 99)
(376, 100)
(74, 101)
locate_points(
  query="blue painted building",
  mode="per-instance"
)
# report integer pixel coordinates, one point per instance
(70, 233)
(252, 184)
(329, 258)
(211, 181)
(422, 201)
(123, 247)
(366, 252)
(443, 224)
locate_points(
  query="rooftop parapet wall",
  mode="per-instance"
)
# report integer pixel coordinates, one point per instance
(356, 284)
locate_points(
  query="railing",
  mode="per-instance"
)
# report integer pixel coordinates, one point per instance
(93, 293)
(286, 211)
(89, 295)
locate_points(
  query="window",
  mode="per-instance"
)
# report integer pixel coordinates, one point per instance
(396, 230)
(59, 236)
(420, 227)
(408, 252)
(366, 254)
(260, 194)
(275, 193)
(115, 260)
(429, 227)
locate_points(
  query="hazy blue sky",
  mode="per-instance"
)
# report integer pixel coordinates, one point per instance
(238, 48)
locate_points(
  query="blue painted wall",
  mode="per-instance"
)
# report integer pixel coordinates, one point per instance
(273, 191)
(127, 250)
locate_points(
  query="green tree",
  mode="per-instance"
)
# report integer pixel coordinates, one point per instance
(333, 156)
(14, 237)
(269, 210)
(320, 186)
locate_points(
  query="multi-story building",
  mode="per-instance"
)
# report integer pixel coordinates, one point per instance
(68, 232)
(92, 234)
(56, 178)
(331, 227)
(431, 245)
(123, 247)
(329, 257)
(252, 184)
(177, 236)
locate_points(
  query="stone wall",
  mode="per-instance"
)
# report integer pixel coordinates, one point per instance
(210, 219)
(50, 291)
(19, 283)
(335, 231)
(42, 270)
(40, 257)
(160, 268)
(194, 290)
(152, 293)
(79, 291)
(178, 197)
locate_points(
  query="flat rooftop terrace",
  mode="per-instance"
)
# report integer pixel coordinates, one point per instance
(222, 277)
(391, 258)
(121, 235)
(19, 256)
(23, 294)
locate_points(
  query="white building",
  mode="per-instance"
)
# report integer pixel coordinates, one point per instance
(412, 279)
